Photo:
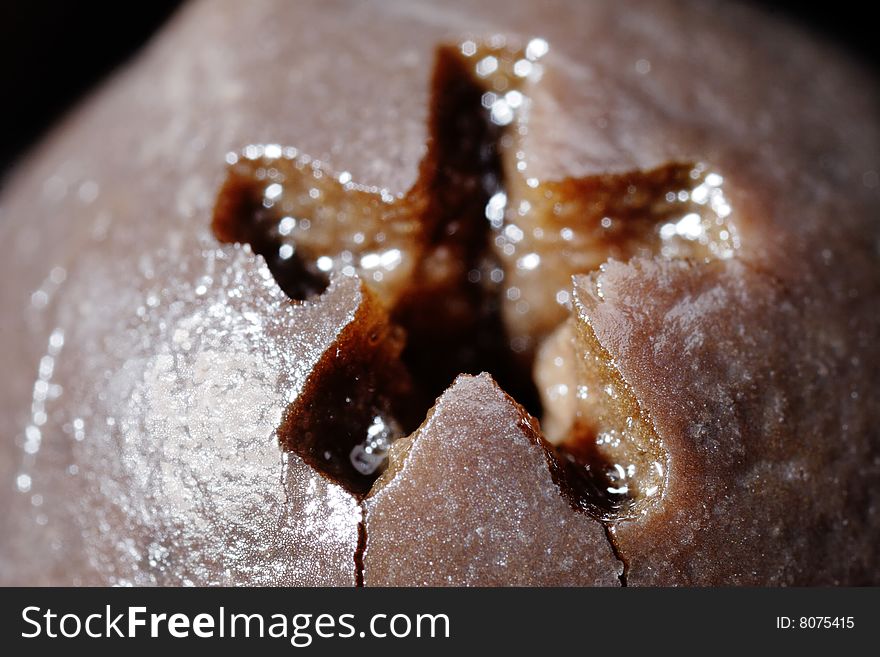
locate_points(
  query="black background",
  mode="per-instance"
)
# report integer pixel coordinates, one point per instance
(52, 52)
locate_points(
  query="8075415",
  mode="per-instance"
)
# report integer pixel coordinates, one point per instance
(815, 622)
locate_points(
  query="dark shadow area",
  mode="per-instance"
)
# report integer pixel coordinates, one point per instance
(51, 53)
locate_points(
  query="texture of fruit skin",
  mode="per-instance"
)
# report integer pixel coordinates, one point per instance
(147, 367)
(761, 395)
(470, 500)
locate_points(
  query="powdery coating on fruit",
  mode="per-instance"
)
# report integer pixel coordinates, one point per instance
(470, 501)
(159, 456)
(763, 397)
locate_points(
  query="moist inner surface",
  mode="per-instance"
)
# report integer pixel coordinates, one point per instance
(470, 271)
